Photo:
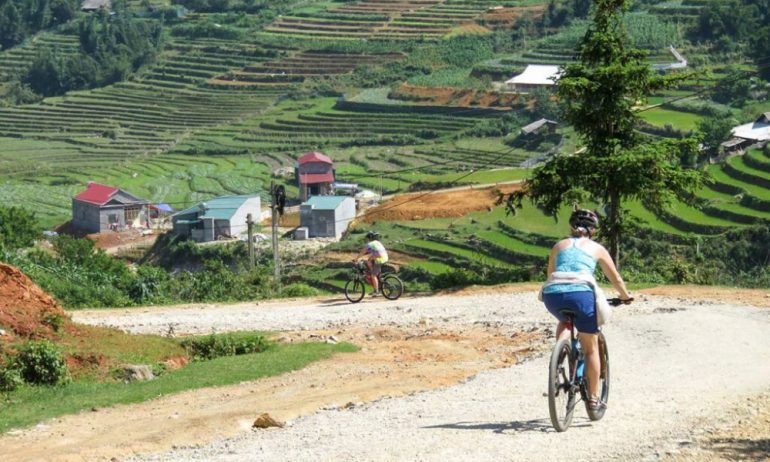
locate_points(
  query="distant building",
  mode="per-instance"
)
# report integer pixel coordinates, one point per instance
(220, 217)
(327, 216)
(93, 5)
(534, 76)
(680, 63)
(539, 126)
(315, 175)
(757, 131)
(101, 208)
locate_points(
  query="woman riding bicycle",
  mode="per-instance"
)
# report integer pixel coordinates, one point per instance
(377, 256)
(571, 286)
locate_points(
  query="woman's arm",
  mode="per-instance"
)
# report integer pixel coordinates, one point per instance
(552, 260)
(609, 270)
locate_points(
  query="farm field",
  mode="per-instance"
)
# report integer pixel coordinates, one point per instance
(227, 112)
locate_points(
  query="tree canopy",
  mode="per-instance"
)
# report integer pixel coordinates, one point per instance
(599, 94)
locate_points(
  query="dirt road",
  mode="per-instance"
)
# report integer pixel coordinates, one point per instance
(681, 368)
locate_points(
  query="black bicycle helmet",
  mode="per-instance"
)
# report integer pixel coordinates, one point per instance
(372, 235)
(584, 218)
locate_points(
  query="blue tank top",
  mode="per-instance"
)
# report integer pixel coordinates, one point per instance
(576, 260)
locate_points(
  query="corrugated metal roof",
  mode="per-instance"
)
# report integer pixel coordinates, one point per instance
(534, 126)
(537, 74)
(96, 193)
(326, 202)
(218, 208)
(95, 4)
(314, 157)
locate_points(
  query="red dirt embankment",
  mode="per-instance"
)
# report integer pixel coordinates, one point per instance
(26, 311)
(460, 97)
(439, 204)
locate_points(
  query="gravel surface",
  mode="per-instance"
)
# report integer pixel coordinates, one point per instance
(677, 367)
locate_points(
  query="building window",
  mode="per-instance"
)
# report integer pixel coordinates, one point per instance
(113, 219)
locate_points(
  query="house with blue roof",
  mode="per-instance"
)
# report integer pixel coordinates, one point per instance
(218, 218)
(327, 216)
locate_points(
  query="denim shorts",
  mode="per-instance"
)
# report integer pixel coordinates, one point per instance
(582, 303)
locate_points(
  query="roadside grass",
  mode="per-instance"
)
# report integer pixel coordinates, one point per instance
(29, 405)
(431, 266)
(111, 347)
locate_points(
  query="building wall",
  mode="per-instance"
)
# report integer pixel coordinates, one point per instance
(328, 223)
(109, 215)
(85, 216)
(252, 206)
(204, 233)
(343, 215)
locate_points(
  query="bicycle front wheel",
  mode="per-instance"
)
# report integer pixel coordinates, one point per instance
(355, 290)
(392, 287)
(561, 393)
(604, 378)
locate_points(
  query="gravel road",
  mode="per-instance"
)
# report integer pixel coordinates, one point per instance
(678, 368)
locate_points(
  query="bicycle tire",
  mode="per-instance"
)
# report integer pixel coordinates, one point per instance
(604, 376)
(392, 287)
(355, 290)
(560, 386)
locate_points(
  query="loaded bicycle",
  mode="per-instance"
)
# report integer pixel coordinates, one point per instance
(390, 285)
(567, 381)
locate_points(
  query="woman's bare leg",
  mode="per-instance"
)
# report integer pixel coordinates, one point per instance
(562, 330)
(590, 345)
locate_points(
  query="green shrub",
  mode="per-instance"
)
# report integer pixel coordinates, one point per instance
(457, 277)
(10, 379)
(299, 290)
(54, 321)
(216, 345)
(41, 363)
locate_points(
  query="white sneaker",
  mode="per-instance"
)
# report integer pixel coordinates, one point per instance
(375, 294)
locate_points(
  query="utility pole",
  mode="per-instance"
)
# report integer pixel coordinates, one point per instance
(274, 212)
(250, 228)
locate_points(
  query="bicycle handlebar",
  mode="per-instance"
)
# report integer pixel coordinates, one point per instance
(619, 301)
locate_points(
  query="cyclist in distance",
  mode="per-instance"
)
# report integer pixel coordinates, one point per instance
(377, 256)
(571, 286)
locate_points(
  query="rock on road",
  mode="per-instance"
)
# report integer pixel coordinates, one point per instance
(677, 368)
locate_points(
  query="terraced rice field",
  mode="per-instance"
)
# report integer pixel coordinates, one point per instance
(147, 115)
(324, 122)
(302, 65)
(177, 180)
(18, 59)
(381, 20)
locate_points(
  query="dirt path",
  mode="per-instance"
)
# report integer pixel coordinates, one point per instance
(678, 367)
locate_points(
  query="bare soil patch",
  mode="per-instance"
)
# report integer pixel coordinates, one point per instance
(506, 17)
(747, 438)
(391, 362)
(754, 297)
(440, 204)
(451, 96)
(26, 311)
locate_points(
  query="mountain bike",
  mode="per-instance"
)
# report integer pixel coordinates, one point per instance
(566, 376)
(390, 285)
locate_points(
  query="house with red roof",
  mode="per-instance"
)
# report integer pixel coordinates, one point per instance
(102, 208)
(315, 175)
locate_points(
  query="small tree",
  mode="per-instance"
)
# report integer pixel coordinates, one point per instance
(599, 94)
(714, 131)
(18, 228)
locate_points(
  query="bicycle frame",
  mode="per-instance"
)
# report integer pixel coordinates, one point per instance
(577, 380)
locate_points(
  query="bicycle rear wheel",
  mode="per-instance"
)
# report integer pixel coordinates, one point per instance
(355, 290)
(604, 377)
(392, 287)
(561, 393)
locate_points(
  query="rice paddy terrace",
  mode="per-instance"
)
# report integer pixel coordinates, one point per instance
(212, 116)
(381, 19)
